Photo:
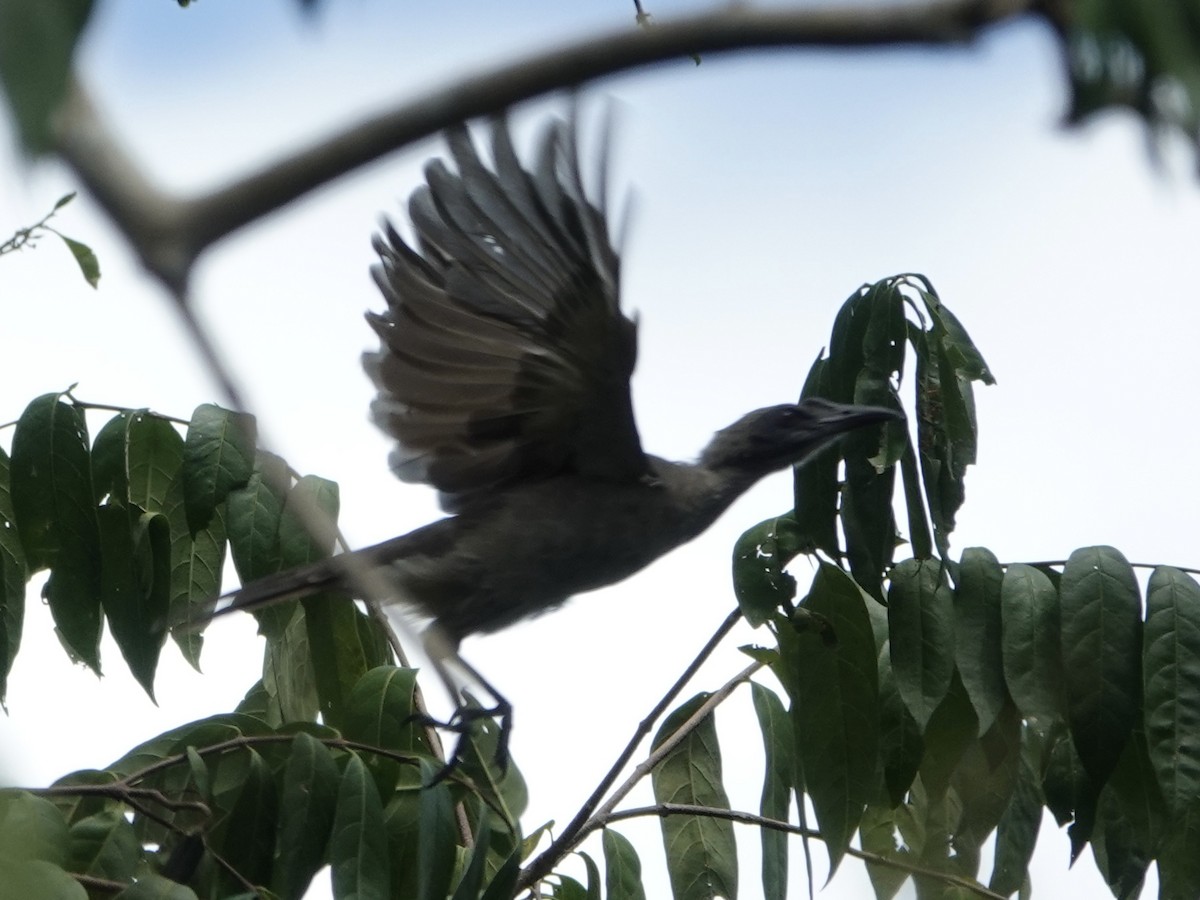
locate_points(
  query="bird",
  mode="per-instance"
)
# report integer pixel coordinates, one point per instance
(503, 376)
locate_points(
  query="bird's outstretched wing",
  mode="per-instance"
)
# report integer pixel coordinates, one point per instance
(504, 352)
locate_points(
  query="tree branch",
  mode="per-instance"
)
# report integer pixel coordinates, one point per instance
(169, 233)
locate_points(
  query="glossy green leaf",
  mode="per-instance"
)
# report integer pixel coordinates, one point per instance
(921, 628)
(779, 750)
(358, 845)
(978, 644)
(701, 855)
(622, 868)
(37, 43)
(53, 502)
(308, 799)
(1171, 676)
(760, 582)
(1102, 655)
(218, 456)
(835, 705)
(1031, 644)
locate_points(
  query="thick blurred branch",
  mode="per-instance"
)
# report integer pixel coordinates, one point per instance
(170, 232)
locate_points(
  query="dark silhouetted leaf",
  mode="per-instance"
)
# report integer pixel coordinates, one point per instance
(1102, 655)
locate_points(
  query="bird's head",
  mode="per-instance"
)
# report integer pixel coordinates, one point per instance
(779, 436)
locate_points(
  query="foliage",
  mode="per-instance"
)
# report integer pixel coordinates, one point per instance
(928, 702)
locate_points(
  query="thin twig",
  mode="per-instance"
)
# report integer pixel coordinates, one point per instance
(584, 821)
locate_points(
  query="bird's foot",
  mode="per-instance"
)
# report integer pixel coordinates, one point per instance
(473, 725)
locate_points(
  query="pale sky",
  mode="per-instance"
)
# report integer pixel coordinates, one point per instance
(766, 188)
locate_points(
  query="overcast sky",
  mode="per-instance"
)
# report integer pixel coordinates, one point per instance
(766, 188)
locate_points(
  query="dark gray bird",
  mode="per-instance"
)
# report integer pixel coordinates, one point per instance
(503, 374)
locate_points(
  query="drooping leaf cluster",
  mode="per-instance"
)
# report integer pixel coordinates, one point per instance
(934, 701)
(133, 528)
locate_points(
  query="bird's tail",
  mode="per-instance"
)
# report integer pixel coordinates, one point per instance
(343, 572)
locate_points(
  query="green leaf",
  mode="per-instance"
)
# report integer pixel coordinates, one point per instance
(978, 645)
(344, 644)
(85, 258)
(380, 711)
(1171, 675)
(779, 750)
(311, 504)
(816, 485)
(1102, 655)
(134, 586)
(31, 828)
(1178, 861)
(622, 868)
(52, 500)
(253, 514)
(308, 799)
(951, 730)
(701, 855)
(877, 835)
(196, 564)
(39, 880)
(246, 815)
(901, 746)
(760, 581)
(835, 705)
(921, 628)
(218, 456)
(986, 777)
(358, 845)
(472, 879)
(1031, 644)
(37, 42)
(437, 838)
(288, 676)
(1016, 834)
(104, 846)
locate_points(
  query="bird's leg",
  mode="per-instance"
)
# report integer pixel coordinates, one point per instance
(440, 650)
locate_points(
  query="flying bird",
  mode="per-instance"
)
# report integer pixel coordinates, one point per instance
(503, 376)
